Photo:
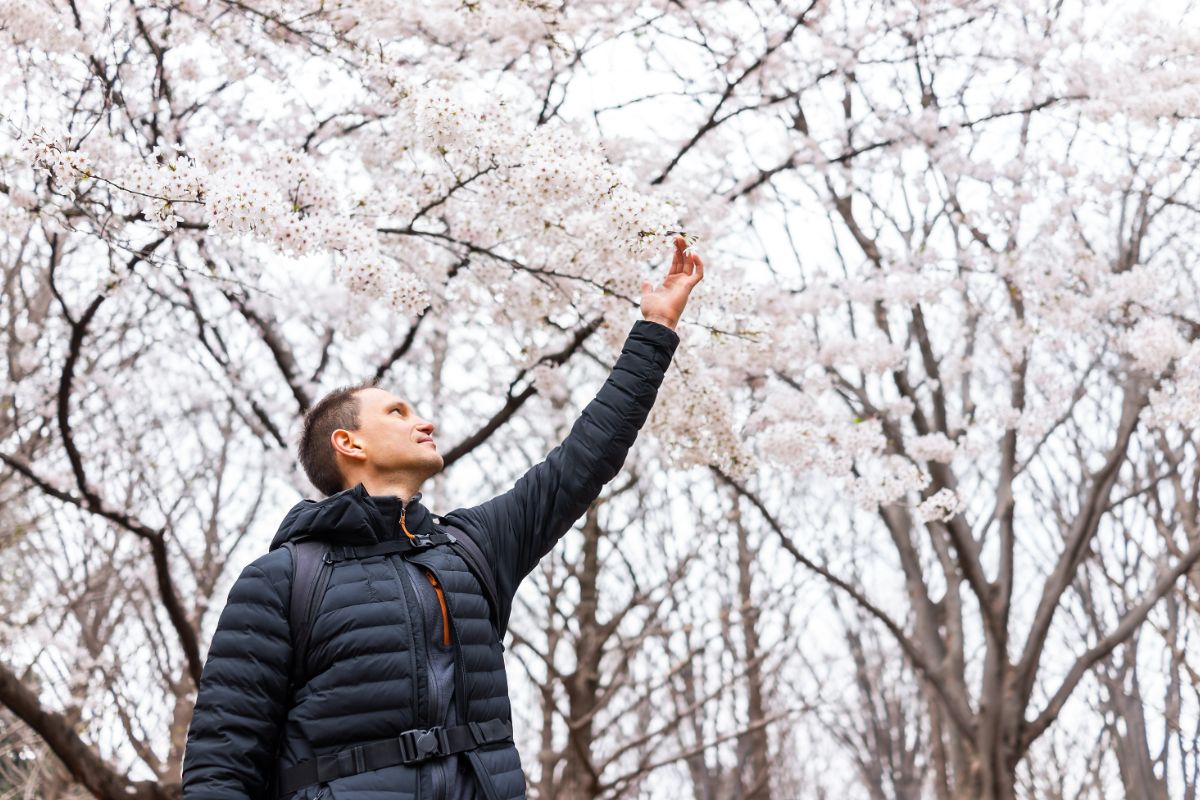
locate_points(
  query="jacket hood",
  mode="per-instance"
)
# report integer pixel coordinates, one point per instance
(353, 517)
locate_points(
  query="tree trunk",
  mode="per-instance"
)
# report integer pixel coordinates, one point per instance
(753, 745)
(583, 685)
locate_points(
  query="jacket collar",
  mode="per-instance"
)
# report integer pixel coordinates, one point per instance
(354, 516)
(386, 510)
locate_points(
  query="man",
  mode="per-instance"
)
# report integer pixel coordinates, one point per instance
(394, 687)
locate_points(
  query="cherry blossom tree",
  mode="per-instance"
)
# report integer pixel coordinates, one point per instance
(941, 385)
(1000, 324)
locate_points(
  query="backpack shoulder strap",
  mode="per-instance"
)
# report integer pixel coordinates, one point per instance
(310, 577)
(469, 551)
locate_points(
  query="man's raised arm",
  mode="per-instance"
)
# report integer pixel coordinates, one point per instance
(521, 525)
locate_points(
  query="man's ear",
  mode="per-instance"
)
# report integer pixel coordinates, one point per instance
(347, 444)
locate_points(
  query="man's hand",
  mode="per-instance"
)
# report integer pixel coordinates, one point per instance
(665, 303)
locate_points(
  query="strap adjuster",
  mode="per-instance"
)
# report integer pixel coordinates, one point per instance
(419, 744)
(350, 761)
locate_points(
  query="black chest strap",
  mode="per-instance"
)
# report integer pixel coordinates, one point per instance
(409, 748)
(387, 548)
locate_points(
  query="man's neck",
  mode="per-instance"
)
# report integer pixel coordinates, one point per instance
(384, 487)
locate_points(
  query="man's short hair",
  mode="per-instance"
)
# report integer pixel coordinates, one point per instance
(338, 409)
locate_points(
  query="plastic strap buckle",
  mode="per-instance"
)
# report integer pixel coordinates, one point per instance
(419, 744)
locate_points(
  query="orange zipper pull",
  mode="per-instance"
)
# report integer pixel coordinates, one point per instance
(441, 596)
(403, 527)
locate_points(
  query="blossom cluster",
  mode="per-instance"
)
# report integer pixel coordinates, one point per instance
(942, 506)
(68, 165)
(1154, 343)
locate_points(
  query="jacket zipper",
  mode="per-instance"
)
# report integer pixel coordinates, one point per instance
(417, 652)
(433, 581)
(430, 683)
(441, 596)
(438, 767)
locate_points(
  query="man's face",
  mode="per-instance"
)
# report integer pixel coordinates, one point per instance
(393, 437)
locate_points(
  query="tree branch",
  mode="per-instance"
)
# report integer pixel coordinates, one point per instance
(1125, 628)
(85, 766)
(956, 707)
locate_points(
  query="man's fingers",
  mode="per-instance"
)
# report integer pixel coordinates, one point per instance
(697, 270)
(679, 262)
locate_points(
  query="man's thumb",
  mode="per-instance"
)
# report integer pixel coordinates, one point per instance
(645, 287)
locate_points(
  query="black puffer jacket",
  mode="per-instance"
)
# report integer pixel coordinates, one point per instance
(374, 655)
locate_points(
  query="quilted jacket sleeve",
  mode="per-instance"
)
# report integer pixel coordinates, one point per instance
(241, 705)
(523, 524)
